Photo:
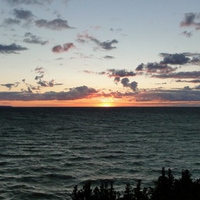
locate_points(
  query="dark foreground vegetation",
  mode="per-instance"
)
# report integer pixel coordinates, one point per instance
(166, 188)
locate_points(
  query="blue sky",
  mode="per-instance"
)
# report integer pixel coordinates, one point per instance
(99, 53)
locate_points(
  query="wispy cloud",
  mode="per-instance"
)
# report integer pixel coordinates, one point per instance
(10, 21)
(106, 45)
(44, 83)
(33, 39)
(187, 34)
(109, 57)
(190, 19)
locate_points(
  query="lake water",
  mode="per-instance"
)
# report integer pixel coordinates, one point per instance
(45, 152)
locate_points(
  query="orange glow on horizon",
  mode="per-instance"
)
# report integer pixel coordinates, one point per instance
(96, 102)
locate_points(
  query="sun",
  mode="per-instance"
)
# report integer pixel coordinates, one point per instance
(106, 103)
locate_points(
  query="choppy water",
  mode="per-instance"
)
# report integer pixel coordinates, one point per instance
(44, 152)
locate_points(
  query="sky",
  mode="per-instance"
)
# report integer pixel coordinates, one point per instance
(100, 53)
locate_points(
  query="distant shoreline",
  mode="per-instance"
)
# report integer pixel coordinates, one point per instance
(6, 107)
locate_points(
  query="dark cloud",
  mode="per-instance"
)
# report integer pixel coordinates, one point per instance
(27, 2)
(155, 68)
(13, 48)
(23, 14)
(117, 79)
(33, 39)
(125, 82)
(140, 67)
(174, 59)
(184, 94)
(197, 87)
(39, 77)
(190, 81)
(109, 57)
(56, 24)
(41, 82)
(77, 93)
(66, 47)
(195, 60)
(120, 73)
(187, 88)
(133, 85)
(80, 92)
(10, 85)
(180, 75)
(108, 44)
(40, 70)
(10, 21)
(50, 83)
(190, 20)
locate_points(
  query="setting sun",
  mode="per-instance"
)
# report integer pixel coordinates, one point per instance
(108, 102)
(106, 105)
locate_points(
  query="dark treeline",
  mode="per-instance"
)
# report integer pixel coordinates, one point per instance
(166, 188)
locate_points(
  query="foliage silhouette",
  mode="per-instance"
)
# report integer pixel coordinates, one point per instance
(166, 188)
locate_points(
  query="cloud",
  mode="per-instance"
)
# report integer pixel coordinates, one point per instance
(185, 94)
(39, 70)
(51, 83)
(56, 24)
(180, 75)
(13, 48)
(107, 45)
(174, 59)
(133, 85)
(187, 34)
(10, 21)
(109, 57)
(197, 87)
(27, 2)
(80, 92)
(33, 39)
(190, 81)
(195, 60)
(190, 20)
(66, 47)
(10, 85)
(41, 82)
(120, 73)
(39, 77)
(125, 82)
(155, 68)
(23, 14)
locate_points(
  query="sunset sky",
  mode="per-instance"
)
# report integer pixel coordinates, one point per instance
(100, 52)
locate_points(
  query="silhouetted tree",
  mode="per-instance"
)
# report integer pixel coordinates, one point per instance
(166, 188)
